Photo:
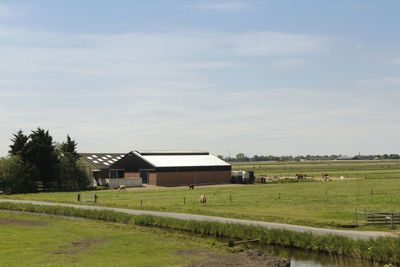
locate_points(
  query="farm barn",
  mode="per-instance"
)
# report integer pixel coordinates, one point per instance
(97, 166)
(172, 168)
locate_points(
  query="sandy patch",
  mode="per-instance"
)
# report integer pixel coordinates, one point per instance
(78, 246)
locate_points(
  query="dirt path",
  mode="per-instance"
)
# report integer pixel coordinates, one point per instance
(365, 235)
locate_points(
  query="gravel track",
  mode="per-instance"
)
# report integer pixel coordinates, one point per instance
(365, 235)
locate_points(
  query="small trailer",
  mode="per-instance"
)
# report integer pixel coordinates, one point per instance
(242, 177)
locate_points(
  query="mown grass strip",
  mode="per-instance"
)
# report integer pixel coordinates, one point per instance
(383, 249)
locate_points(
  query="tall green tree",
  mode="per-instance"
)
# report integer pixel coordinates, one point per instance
(70, 176)
(16, 174)
(40, 152)
(18, 146)
(69, 148)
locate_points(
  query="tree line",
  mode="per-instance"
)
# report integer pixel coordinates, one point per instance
(241, 157)
(35, 162)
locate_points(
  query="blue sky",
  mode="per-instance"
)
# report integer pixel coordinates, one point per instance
(259, 77)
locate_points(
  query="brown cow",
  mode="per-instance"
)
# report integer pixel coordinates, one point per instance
(122, 188)
(203, 199)
(301, 176)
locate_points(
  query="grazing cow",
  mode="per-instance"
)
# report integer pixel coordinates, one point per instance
(325, 176)
(191, 187)
(203, 199)
(301, 176)
(122, 187)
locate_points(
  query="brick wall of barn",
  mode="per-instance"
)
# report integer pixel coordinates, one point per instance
(190, 177)
(131, 174)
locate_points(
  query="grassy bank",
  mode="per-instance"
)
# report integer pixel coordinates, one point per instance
(368, 169)
(319, 204)
(382, 249)
(31, 240)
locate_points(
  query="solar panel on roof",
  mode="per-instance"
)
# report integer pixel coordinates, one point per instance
(105, 163)
(100, 159)
(95, 161)
(110, 161)
(89, 157)
(109, 156)
(94, 156)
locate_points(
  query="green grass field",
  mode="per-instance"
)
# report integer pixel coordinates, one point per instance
(314, 203)
(32, 240)
(307, 203)
(351, 168)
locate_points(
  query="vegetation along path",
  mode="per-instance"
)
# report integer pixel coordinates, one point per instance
(365, 235)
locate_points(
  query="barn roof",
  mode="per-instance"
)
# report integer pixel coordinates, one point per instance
(180, 158)
(102, 160)
(171, 152)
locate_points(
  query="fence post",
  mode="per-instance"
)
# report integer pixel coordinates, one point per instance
(279, 197)
(391, 219)
(141, 203)
(230, 197)
(79, 197)
(95, 198)
(184, 200)
(356, 216)
(365, 215)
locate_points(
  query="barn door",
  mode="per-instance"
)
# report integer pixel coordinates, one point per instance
(145, 175)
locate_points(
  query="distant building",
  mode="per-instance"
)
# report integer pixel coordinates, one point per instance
(164, 168)
(172, 168)
(97, 166)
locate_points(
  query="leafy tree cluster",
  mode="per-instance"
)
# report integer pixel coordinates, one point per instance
(35, 161)
(241, 157)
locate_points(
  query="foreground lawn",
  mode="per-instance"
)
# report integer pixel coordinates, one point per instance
(324, 204)
(32, 240)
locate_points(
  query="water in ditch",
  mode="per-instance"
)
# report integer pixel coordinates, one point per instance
(304, 258)
(298, 257)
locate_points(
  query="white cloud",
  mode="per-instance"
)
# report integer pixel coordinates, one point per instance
(5, 12)
(233, 6)
(380, 82)
(266, 43)
(11, 12)
(290, 64)
(395, 61)
(213, 65)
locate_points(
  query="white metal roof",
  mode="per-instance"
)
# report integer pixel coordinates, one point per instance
(184, 160)
(171, 152)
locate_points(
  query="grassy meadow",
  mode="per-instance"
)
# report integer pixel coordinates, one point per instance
(307, 203)
(52, 241)
(347, 168)
(304, 202)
